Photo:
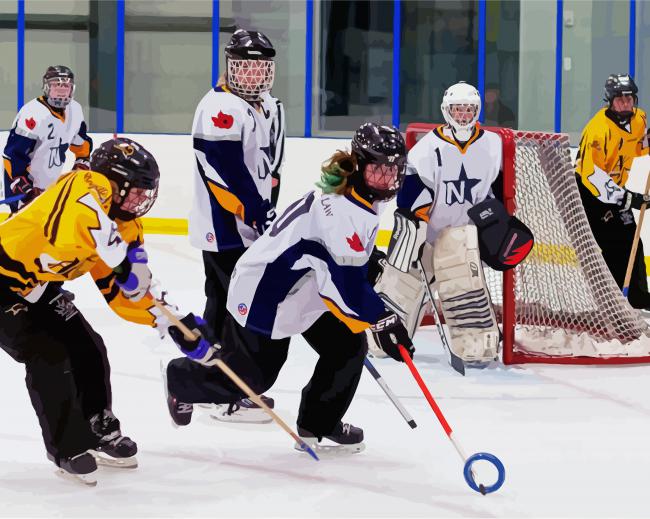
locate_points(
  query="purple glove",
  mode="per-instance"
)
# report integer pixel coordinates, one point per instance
(133, 275)
(199, 349)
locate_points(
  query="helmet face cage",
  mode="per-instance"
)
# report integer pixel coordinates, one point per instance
(137, 201)
(384, 179)
(250, 78)
(58, 91)
(461, 108)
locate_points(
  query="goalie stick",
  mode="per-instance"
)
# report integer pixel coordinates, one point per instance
(454, 360)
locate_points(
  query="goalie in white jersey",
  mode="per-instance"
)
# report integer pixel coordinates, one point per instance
(238, 136)
(453, 177)
(308, 274)
(41, 134)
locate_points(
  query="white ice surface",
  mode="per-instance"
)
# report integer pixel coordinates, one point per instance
(575, 440)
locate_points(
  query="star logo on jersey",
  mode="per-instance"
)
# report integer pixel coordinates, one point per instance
(57, 154)
(460, 191)
(30, 123)
(355, 243)
(223, 121)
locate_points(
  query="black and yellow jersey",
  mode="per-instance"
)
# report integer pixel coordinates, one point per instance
(66, 232)
(606, 152)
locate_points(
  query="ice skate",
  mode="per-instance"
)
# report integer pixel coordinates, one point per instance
(81, 469)
(118, 452)
(242, 411)
(180, 412)
(113, 449)
(344, 439)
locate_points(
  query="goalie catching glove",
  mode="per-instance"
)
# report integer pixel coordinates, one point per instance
(504, 240)
(389, 332)
(197, 349)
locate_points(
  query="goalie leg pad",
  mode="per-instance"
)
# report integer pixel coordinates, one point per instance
(464, 296)
(404, 294)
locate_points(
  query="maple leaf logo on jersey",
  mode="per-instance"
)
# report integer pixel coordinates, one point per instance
(30, 123)
(355, 243)
(223, 121)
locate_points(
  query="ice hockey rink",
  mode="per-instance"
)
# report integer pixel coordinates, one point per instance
(574, 440)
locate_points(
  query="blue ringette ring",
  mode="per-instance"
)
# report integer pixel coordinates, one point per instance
(497, 464)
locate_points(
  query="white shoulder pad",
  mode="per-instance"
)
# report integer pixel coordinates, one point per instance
(220, 116)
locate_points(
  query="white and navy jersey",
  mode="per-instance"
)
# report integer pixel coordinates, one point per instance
(236, 148)
(444, 178)
(39, 139)
(313, 259)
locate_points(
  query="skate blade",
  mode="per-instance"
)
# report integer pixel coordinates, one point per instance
(331, 449)
(248, 416)
(87, 480)
(117, 463)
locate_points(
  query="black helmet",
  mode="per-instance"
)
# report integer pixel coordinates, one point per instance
(384, 145)
(64, 75)
(135, 172)
(618, 85)
(249, 45)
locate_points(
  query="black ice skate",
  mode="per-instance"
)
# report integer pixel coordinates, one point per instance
(345, 438)
(180, 412)
(113, 449)
(243, 411)
(81, 468)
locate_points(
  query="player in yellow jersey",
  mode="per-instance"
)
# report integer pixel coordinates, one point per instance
(86, 222)
(609, 143)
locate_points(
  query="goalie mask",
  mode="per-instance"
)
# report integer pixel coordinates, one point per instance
(381, 161)
(461, 107)
(58, 86)
(249, 64)
(135, 172)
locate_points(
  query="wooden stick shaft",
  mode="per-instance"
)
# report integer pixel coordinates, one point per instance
(234, 377)
(635, 242)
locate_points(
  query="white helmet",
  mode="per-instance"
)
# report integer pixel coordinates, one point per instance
(467, 108)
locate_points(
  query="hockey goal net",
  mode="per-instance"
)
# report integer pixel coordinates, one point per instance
(561, 305)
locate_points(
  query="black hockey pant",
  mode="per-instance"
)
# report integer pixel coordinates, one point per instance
(614, 232)
(258, 359)
(67, 371)
(218, 269)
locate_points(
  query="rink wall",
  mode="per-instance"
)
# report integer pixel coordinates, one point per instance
(303, 157)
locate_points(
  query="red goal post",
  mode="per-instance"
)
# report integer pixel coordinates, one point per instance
(561, 305)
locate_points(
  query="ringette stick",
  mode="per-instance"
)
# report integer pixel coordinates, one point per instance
(389, 393)
(635, 243)
(467, 462)
(189, 334)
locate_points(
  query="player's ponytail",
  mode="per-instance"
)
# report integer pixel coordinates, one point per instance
(335, 172)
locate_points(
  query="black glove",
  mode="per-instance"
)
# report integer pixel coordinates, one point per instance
(389, 332)
(198, 349)
(376, 266)
(261, 217)
(23, 185)
(632, 200)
